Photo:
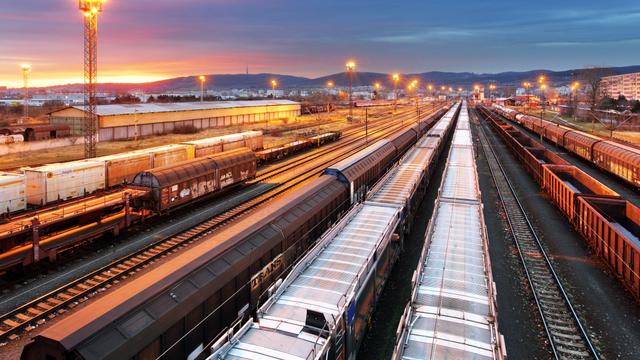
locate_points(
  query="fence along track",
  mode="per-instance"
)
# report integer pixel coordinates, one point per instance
(567, 336)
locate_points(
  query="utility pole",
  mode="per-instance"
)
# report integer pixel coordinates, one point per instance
(396, 78)
(26, 70)
(90, 10)
(366, 126)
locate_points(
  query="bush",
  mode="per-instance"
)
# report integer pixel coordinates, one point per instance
(185, 129)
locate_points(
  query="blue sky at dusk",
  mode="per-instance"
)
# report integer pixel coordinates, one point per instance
(153, 39)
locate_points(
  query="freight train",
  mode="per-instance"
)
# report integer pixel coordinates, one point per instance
(190, 299)
(615, 158)
(609, 224)
(322, 309)
(453, 313)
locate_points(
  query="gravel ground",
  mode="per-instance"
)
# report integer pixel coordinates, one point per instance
(611, 315)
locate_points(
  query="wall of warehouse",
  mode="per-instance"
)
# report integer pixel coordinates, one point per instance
(123, 127)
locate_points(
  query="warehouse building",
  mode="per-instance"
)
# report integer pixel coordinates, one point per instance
(121, 122)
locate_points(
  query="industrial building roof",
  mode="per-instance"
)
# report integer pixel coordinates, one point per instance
(130, 109)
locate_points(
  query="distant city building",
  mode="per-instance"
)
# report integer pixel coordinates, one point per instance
(627, 85)
(120, 122)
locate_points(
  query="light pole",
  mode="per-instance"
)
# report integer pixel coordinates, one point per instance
(377, 87)
(351, 66)
(26, 70)
(274, 83)
(526, 85)
(203, 79)
(543, 87)
(396, 78)
(574, 92)
(329, 86)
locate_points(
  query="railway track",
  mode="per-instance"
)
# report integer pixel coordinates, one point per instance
(38, 311)
(567, 336)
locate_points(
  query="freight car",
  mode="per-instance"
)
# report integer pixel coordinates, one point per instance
(37, 132)
(178, 184)
(282, 151)
(209, 146)
(63, 181)
(452, 313)
(608, 223)
(615, 158)
(322, 309)
(13, 195)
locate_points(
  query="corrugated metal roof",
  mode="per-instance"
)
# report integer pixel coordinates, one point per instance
(130, 109)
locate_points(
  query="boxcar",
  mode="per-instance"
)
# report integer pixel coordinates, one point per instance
(580, 144)
(362, 169)
(555, 134)
(611, 228)
(218, 277)
(403, 140)
(619, 160)
(181, 183)
(209, 146)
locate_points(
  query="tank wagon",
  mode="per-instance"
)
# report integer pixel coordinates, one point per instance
(178, 184)
(189, 301)
(452, 313)
(608, 223)
(615, 158)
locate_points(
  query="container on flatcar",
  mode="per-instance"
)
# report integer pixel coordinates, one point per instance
(121, 168)
(169, 154)
(12, 192)
(564, 184)
(619, 160)
(63, 181)
(612, 229)
(209, 146)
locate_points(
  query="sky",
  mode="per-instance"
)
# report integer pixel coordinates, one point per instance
(146, 40)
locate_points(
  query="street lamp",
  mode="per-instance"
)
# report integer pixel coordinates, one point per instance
(543, 87)
(574, 92)
(203, 79)
(526, 85)
(274, 83)
(396, 78)
(329, 86)
(351, 66)
(26, 70)
(377, 86)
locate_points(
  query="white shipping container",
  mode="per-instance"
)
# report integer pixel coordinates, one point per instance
(63, 181)
(12, 192)
(121, 168)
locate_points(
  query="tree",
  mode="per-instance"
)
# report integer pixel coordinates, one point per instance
(635, 106)
(591, 77)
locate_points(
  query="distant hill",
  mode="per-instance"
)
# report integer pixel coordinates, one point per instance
(261, 81)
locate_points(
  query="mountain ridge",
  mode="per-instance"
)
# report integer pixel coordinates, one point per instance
(262, 80)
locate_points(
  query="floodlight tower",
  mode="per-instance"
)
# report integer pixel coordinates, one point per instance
(26, 70)
(90, 10)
